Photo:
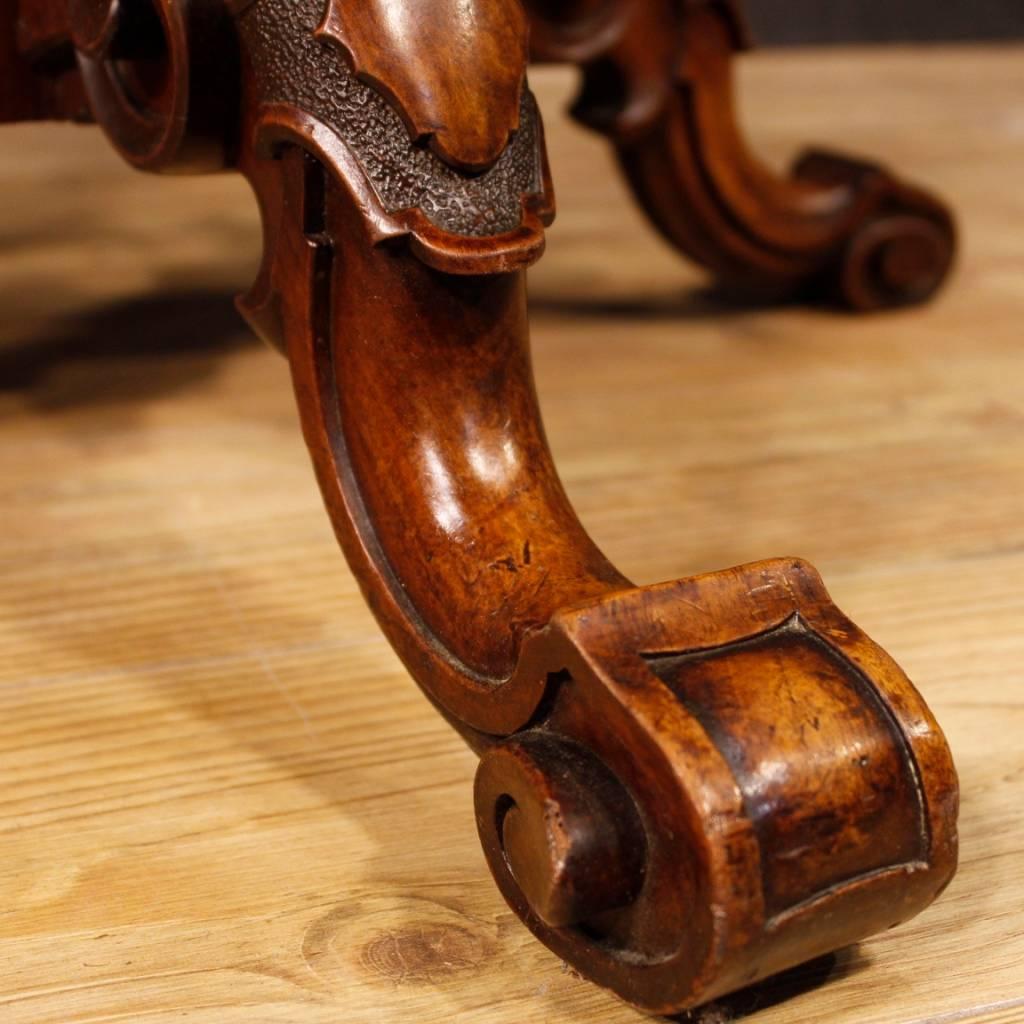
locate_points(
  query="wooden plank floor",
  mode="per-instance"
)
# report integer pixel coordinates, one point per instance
(222, 799)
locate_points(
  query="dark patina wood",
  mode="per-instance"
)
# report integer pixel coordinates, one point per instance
(683, 788)
(657, 81)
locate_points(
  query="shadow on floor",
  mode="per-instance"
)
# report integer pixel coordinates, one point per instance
(126, 352)
(779, 988)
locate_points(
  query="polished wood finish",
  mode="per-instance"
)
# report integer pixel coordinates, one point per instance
(684, 788)
(34, 37)
(693, 693)
(658, 82)
(409, 58)
(223, 800)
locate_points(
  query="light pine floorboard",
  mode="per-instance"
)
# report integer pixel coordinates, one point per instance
(221, 798)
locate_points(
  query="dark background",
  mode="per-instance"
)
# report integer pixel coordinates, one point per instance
(785, 22)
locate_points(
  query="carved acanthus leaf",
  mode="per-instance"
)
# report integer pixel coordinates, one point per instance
(454, 69)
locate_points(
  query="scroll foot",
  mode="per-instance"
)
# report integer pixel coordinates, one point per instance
(657, 81)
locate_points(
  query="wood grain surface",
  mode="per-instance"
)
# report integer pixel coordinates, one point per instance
(223, 800)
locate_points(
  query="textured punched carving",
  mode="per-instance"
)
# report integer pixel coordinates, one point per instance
(292, 66)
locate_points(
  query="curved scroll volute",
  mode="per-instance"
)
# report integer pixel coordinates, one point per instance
(657, 80)
(454, 69)
(152, 85)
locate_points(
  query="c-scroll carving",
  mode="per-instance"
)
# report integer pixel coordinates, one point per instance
(657, 81)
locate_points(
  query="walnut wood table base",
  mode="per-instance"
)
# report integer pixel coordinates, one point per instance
(683, 788)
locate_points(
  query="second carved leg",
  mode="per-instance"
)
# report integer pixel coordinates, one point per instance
(658, 83)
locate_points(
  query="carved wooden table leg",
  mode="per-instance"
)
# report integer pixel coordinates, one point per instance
(657, 80)
(684, 787)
